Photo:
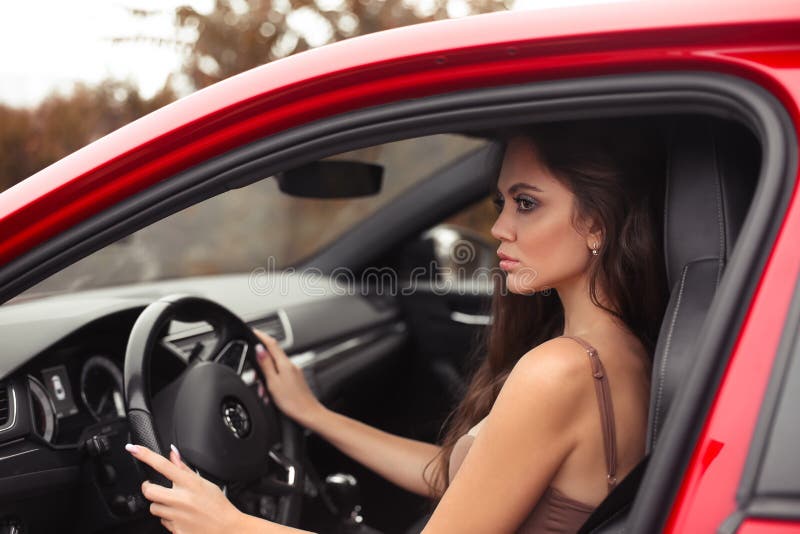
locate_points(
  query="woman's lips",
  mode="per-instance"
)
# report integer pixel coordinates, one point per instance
(507, 262)
(507, 265)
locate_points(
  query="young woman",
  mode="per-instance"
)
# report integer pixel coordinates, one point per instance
(555, 415)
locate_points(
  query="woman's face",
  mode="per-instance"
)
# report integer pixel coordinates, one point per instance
(534, 224)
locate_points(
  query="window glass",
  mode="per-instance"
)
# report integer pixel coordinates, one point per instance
(780, 472)
(464, 246)
(245, 228)
(478, 217)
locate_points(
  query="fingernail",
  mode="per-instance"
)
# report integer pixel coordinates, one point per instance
(133, 449)
(175, 449)
(261, 352)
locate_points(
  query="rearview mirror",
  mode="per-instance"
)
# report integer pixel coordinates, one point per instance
(332, 179)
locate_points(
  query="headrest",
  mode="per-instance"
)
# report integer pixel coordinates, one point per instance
(711, 174)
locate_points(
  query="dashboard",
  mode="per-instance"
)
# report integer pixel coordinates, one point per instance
(62, 407)
(72, 394)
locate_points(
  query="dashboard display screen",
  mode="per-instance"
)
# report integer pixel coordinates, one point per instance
(56, 381)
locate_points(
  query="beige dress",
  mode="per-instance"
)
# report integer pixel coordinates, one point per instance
(556, 512)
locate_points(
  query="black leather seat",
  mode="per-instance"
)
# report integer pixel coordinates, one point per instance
(713, 166)
(711, 176)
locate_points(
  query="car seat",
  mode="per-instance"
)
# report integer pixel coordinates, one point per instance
(712, 169)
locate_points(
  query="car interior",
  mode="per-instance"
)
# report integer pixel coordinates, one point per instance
(392, 359)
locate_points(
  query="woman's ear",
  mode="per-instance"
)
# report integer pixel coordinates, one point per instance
(593, 233)
(594, 243)
(595, 237)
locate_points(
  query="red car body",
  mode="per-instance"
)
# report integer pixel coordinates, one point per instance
(757, 41)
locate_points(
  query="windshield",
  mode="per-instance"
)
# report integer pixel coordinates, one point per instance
(254, 226)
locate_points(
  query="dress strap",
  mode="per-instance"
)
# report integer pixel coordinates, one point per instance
(606, 411)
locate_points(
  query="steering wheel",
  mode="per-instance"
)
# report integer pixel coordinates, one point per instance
(227, 430)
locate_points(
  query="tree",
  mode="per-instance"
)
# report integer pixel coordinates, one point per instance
(31, 139)
(238, 35)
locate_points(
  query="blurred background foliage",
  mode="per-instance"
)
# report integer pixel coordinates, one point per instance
(31, 139)
(234, 36)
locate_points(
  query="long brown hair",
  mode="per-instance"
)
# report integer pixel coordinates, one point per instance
(615, 169)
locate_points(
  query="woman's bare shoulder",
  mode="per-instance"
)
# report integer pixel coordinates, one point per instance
(544, 390)
(560, 357)
(546, 372)
(559, 365)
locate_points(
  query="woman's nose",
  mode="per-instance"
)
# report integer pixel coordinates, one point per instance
(502, 228)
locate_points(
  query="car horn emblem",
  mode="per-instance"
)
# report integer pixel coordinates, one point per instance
(236, 418)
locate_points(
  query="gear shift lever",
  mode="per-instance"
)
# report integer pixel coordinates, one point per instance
(343, 489)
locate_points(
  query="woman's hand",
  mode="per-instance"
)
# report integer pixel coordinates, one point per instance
(285, 381)
(192, 504)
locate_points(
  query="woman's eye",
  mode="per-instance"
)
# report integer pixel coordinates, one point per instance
(525, 203)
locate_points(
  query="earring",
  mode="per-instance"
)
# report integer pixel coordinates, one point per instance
(594, 250)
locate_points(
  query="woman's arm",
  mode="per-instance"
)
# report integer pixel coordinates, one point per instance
(397, 459)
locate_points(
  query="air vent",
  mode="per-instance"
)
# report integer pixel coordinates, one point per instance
(5, 410)
(276, 325)
(272, 325)
(233, 355)
(191, 344)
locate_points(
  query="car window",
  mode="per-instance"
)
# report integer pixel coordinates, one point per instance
(254, 226)
(463, 246)
(477, 218)
(773, 474)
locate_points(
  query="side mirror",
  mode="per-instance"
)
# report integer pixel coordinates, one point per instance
(460, 252)
(450, 254)
(332, 179)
